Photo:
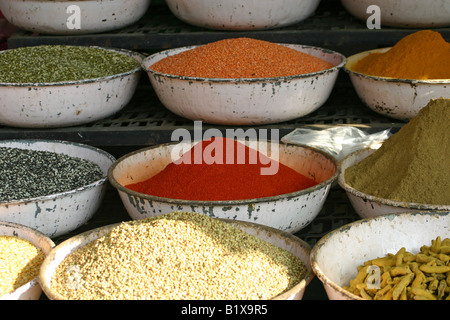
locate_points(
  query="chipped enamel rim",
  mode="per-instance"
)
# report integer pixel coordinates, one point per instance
(352, 60)
(4, 143)
(86, 237)
(366, 197)
(137, 56)
(294, 194)
(35, 237)
(322, 241)
(150, 60)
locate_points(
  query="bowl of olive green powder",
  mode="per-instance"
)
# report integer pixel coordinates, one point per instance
(409, 172)
(178, 256)
(51, 186)
(59, 85)
(73, 17)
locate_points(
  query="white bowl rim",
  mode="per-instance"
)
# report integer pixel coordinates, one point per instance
(290, 195)
(35, 281)
(82, 81)
(297, 288)
(248, 80)
(387, 79)
(323, 278)
(65, 193)
(388, 202)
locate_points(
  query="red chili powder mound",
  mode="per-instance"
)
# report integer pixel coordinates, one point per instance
(240, 58)
(192, 178)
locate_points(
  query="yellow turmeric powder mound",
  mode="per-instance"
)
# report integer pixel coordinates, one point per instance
(422, 55)
(413, 164)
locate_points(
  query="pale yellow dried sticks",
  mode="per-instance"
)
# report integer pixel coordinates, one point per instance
(406, 276)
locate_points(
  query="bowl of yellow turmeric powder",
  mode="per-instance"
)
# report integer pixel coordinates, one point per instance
(243, 81)
(386, 258)
(23, 252)
(409, 172)
(398, 81)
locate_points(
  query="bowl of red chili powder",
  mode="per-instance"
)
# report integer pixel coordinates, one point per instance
(278, 185)
(242, 15)
(243, 81)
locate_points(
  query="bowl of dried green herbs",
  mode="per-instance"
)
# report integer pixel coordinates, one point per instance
(52, 86)
(51, 186)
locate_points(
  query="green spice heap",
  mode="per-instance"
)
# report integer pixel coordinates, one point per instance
(59, 63)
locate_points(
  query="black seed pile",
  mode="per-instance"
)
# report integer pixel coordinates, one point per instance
(31, 173)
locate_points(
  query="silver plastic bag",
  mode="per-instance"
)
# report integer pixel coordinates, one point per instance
(338, 141)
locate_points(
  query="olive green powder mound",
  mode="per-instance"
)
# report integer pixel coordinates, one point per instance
(413, 164)
(60, 63)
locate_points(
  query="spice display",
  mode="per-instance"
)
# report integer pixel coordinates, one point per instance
(406, 276)
(20, 262)
(420, 55)
(240, 58)
(413, 164)
(31, 173)
(56, 63)
(193, 178)
(181, 255)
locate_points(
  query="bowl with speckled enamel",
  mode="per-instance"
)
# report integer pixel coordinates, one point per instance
(68, 103)
(245, 101)
(402, 13)
(366, 205)
(335, 258)
(242, 14)
(395, 98)
(73, 17)
(32, 289)
(58, 214)
(279, 238)
(289, 212)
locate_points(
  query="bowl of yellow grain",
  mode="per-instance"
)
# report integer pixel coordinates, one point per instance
(23, 252)
(183, 255)
(386, 258)
(398, 81)
(72, 17)
(243, 81)
(401, 13)
(243, 14)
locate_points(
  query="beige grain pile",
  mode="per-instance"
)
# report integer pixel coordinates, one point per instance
(180, 255)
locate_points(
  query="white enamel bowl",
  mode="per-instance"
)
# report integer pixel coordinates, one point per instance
(242, 14)
(276, 237)
(245, 101)
(366, 205)
(395, 98)
(403, 13)
(289, 212)
(63, 104)
(67, 17)
(58, 214)
(336, 256)
(32, 289)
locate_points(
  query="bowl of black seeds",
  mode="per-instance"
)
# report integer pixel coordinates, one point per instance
(50, 86)
(51, 186)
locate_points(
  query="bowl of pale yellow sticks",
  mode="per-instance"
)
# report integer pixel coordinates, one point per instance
(402, 256)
